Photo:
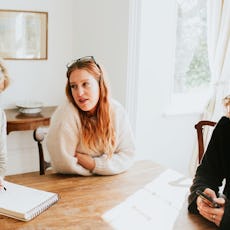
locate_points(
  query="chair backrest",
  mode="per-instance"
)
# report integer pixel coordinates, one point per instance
(39, 135)
(199, 129)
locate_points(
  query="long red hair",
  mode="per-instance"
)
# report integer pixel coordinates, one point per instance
(97, 132)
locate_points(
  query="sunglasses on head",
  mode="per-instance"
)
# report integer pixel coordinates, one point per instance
(82, 60)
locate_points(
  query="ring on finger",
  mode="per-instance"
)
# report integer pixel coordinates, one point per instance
(213, 217)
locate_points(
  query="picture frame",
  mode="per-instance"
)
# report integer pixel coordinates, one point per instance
(24, 35)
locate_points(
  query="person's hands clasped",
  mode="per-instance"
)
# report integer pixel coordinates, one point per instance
(214, 215)
(85, 161)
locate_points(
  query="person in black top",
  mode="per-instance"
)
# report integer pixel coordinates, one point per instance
(214, 168)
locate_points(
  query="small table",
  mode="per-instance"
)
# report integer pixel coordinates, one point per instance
(17, 121)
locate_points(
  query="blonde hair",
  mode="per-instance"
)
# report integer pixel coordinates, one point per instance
(97, 133)
(6, 79)
(226, 102)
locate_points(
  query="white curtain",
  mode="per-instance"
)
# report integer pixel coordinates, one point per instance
(218, 25)
(218, 39)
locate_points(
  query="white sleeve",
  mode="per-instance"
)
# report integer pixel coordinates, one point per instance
(124, 153)
(61, 142)
(3, 151)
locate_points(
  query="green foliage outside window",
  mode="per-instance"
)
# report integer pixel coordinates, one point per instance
(198, 73)
(192, 71)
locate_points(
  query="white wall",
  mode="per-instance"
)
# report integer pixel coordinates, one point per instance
(36, 79)
(42, 80)
(100, 28)
(168, 140)
(76, 28)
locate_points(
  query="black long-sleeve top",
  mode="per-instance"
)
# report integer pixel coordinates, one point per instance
(215, 166)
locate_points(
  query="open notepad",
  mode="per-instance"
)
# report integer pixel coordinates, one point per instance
(24, 203)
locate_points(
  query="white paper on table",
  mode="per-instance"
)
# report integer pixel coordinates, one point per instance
(156, 206)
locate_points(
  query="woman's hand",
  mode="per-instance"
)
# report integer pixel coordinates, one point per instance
(85, 161)
(1, 184)
(214, 215)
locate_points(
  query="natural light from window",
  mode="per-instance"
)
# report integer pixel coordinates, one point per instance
(191, 68)
(148, 207)
(191, 72)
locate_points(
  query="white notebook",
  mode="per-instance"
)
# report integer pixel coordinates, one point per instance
(24, 203)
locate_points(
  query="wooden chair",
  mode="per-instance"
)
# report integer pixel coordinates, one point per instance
(39, 135)
(199, 129)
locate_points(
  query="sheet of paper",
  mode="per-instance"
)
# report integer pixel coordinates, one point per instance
(156, 206)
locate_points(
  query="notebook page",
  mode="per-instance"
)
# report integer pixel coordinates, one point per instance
(18, 200)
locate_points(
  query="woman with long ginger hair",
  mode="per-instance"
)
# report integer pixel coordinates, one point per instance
(90, 133)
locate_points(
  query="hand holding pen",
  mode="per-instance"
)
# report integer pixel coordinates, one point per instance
(2, 187)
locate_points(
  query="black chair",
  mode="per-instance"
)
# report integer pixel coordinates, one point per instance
(39, 135)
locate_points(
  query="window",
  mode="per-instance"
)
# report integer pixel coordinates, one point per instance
(191, 91)
(192, 73)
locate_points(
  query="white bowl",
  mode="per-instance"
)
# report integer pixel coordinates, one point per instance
(29, 107)
(30, 111)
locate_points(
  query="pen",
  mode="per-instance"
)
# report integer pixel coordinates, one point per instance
(4, 188)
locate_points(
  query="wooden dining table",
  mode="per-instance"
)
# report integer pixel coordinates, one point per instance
(84, 201)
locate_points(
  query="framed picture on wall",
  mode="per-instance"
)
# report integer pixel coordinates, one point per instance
(23, 35)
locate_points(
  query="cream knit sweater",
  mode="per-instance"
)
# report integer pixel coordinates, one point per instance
(63, 141)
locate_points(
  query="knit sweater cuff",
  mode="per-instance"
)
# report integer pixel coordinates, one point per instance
(99, 165)
(115, 165)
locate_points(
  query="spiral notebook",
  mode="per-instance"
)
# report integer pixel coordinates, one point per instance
(24, 203)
